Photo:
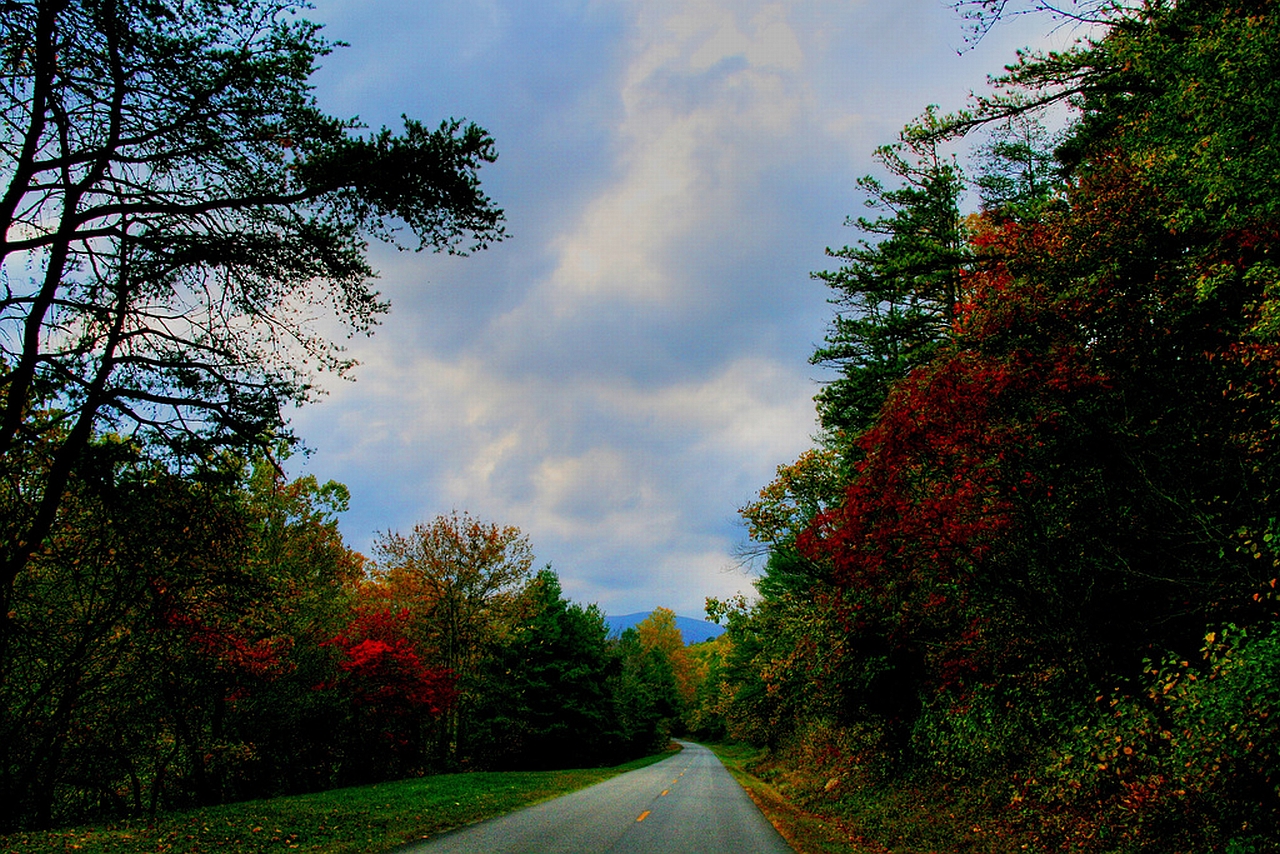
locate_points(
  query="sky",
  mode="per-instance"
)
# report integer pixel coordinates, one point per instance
(630, 366)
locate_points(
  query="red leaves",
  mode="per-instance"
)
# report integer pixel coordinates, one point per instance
(224, 642)
(381, 666)
(955, 457)
(231, 650)
(934, 487)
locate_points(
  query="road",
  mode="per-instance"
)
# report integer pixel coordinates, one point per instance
(686, 804)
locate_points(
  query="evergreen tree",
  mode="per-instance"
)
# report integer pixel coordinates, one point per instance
(546, 701)
(897, 291)
(174, 200)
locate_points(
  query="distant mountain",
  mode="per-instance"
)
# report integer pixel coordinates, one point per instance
(693, 631)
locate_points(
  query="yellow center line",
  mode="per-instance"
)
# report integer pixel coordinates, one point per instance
(643, 816)
(665, 792)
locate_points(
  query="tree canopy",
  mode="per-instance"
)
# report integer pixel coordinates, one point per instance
(1037, 548)
(176, 207)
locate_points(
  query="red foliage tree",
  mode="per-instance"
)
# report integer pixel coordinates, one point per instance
(1059, 467)
(381, 667)
(945, 471)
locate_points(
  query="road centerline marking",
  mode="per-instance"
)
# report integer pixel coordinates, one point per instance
(665, 792)
(643, 816)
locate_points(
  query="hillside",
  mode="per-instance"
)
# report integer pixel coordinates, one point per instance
(691, 629)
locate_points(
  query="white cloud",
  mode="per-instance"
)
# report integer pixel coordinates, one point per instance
(627, 479)
(630, 368)
(691, 136)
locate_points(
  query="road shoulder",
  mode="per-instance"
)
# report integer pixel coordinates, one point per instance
(806, 832)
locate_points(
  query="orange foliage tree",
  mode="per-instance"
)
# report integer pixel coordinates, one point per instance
(458, 578)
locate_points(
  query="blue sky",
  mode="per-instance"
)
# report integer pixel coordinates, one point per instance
(631, 365)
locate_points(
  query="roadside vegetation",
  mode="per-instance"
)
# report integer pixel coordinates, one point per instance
(806, 831)
(904, 817)
(188, 642)
(1022, 594)
(372, 818)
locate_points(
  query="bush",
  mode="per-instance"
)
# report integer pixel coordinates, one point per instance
(1187, 760)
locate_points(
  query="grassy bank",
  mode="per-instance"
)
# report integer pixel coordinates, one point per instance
(806, 831)
(821, 815)
(362, 819)
(831, 817)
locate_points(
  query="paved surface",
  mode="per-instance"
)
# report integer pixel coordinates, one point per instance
(687, 804)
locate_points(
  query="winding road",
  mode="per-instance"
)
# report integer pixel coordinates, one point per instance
(686, 804)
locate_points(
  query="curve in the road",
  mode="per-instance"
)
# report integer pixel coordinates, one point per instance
(685, 804)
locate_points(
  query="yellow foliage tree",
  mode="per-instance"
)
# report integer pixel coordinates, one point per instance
(658, 633)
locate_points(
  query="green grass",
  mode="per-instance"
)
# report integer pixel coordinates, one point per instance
(362, 819)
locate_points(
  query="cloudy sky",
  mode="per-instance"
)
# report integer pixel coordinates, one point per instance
(630, 366)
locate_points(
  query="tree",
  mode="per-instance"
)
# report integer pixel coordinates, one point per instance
(657, 684)
(1018, 172)
(800, 491)
(175, 207)
(1044, 501)
(897, 291)
(168, 639)
(549, 705)
(303, 581)
(1162, 258)
(644, 691)
(390, 690)
(705, 719)
(982, 15)
(133, 580)
(661, 637)
(459, 578)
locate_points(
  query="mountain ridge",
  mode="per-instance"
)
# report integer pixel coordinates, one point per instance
(691, 629)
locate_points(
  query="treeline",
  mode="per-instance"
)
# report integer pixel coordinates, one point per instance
(188, 640)
(179, 624)
(1034, 556)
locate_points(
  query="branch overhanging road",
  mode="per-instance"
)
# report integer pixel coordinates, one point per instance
(684, 804)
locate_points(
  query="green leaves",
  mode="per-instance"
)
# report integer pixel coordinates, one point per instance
(174, 201)
(426, 180)
(548, 701)
(897, 291)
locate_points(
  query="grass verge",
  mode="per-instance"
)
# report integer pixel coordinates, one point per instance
(361, 819)
(806, 832)
(904, 816)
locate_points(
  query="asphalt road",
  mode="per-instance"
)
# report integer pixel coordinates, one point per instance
(687, 804)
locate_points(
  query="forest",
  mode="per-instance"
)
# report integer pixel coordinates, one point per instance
(187, 641)
(1031, 560)
(181, 624)
(1027, 572)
